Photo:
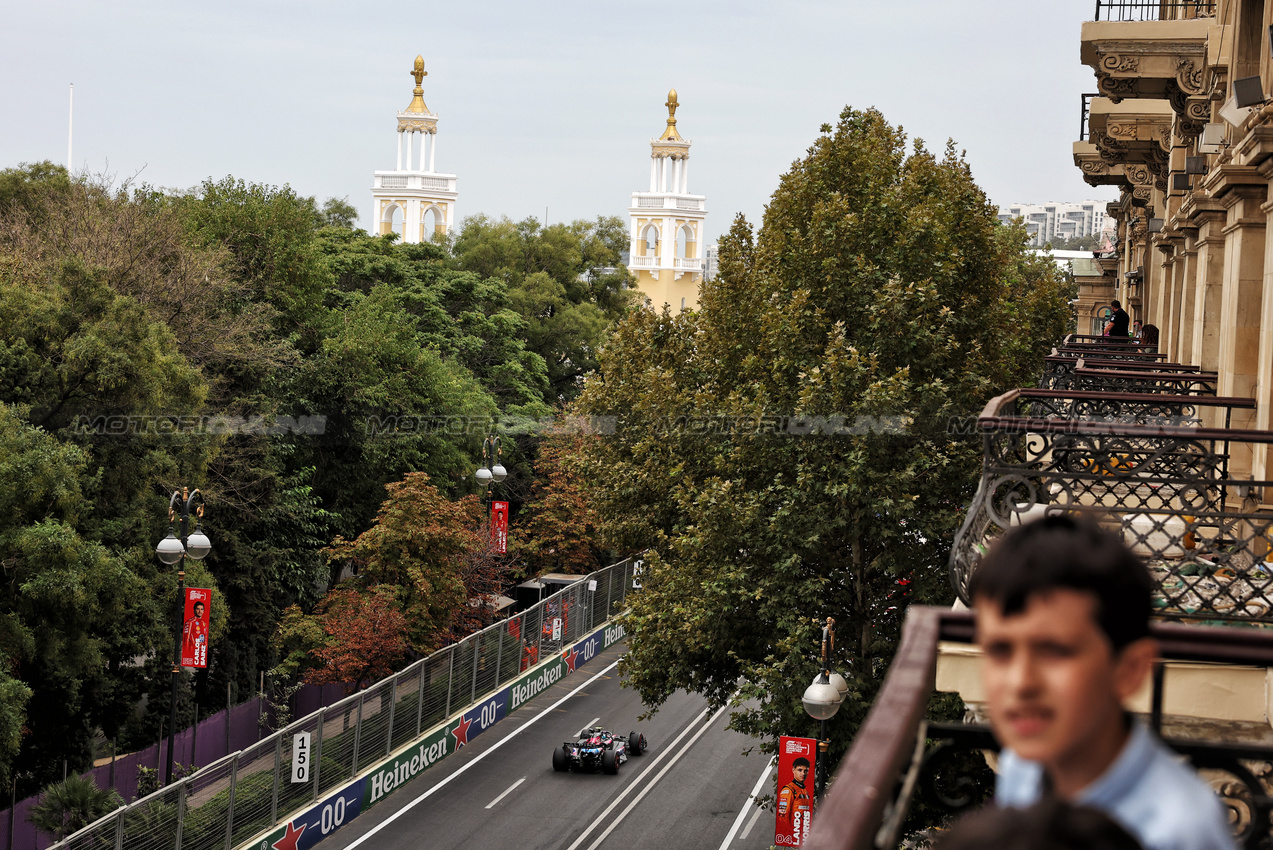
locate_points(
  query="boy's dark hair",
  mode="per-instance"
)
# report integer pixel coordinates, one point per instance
(1052, 824)
(1063, 551)
(800, 762)
(1115, 303)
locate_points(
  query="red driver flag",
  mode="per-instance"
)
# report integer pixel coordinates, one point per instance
(499, 526)
(194, 633)
(796, 762)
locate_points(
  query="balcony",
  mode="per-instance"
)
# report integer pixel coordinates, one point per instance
(1135, 134)
(1150, 57)
(1153, 10)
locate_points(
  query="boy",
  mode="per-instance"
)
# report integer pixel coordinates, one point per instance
(1062, 612)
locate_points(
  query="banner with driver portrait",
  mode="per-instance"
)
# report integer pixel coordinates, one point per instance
(797, 761)
(194, 632)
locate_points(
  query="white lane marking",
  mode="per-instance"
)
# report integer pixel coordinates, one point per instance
(650, 785)
(750, 824)
(495, 747)
(742, 813)
(663, 753)
(591, 723)
(507, 791)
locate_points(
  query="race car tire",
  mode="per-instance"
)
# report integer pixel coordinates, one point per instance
(610, 762)
(560, 762)
(636, 744)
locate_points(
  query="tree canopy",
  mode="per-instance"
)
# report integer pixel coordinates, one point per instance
(785, 452)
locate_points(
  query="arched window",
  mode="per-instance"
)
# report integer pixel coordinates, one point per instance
(651, 241)
(683, 238)
(429, 224)
(395, 219)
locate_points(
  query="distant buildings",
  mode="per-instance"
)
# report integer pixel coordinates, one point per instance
(1052, 222)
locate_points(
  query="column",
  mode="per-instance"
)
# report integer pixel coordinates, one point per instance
(685, 175)
(663, 174)
(1189, 255)
(1240, 308)
(398, 167)
(654, 174)
(1206, 293)
(433, 150)
(410, 138)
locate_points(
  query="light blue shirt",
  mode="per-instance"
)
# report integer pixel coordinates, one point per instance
(1147, 789)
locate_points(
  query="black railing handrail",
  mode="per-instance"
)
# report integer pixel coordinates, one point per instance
(992, 420)
(1088, 350)
(1083, 367)
(1148, 365)
(1148, 398)
(1154, 10)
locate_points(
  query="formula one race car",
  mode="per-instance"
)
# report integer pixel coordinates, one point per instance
(597, 749)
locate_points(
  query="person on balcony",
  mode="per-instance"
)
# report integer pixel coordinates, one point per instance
(1119, 321)
(1062, 617)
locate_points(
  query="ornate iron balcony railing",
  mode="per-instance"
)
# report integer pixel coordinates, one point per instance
(1163, 483)
(1136, 380)
(871, 793)
(1153, 10)
(1059, 370)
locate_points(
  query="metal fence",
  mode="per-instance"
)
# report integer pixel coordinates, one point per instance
(228, 802)
(1153, 10)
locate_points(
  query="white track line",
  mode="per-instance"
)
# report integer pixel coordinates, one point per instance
(507, 791)
(496, 746)
(649, 785)
(591, 723)
(764, 774)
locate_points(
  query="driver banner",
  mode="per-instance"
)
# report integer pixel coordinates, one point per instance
(797, 759)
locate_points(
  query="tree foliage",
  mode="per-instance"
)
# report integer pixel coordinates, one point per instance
(72, 804)
(785, 451)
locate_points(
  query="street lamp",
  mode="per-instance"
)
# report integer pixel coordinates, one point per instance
(491, 473)
(822, 700)
(173, 550)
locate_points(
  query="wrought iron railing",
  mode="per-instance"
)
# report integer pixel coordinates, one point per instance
(1084, 112)
(896, 752)
(1059, 370)
(238, 797)
(1135, 380)
(1153, 10)
(1168, 489)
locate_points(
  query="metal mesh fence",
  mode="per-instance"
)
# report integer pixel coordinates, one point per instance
(231, 801)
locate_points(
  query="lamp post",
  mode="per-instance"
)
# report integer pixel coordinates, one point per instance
(491, 473)
(174, 550)
(822, 700)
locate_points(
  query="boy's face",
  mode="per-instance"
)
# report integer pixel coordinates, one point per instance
(1054, 685)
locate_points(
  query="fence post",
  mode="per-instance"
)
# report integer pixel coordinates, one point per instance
(229, 810)
(316, 756)
(358, 731)
(119, 828)
(609, 593)
(393, 705)
(450, 680)
(499, 653)
(477, 646)
(419, 702)
(278, 767)
(181, 810)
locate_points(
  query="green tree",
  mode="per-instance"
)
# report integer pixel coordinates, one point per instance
(72, 804)
(417, 547)
(338, 212)
(565, 280)
(557, 532)
(784, 451)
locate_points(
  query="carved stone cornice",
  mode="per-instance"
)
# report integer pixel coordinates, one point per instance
(1139, 59)
(1097, 171)
(1137, 131)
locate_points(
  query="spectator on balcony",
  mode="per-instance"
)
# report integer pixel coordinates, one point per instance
(1118, 322)
(1062, 617)
(1048, 825)
(1149, 338)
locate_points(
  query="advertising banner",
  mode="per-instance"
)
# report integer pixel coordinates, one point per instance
(499, 527)
(797, 761)
(194, 631)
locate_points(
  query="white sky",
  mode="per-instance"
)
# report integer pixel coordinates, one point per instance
(548, 104)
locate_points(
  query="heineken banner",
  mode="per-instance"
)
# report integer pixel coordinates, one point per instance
(307, 829)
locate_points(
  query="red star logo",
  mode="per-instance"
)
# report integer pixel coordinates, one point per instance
(288, 841)
(461, 731)
(571, 658)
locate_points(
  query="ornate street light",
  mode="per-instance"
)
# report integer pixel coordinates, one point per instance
(491, 472)
(822, 700)
(173, 550)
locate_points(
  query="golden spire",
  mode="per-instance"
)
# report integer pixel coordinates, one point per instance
(417, 102)
(670, 134)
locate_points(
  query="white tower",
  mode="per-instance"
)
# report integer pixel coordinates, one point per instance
(667, 224)
(415, 203)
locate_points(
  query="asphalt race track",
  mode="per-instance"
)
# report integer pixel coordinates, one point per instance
(691, 789)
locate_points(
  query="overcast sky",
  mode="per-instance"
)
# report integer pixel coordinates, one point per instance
(548, 104)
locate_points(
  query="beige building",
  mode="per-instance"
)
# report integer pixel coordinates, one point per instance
(414, 200)
(666, 254)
